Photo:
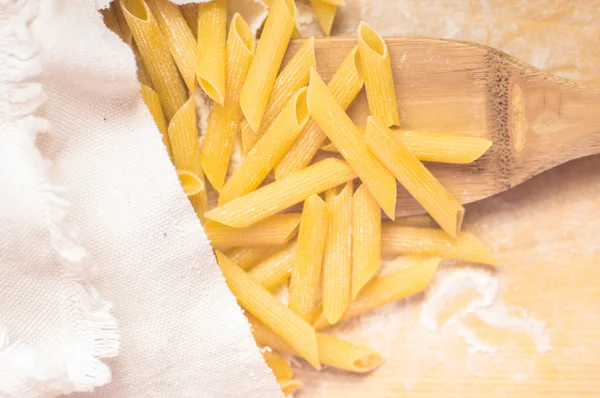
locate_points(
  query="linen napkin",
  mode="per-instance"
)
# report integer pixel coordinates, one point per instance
(91, 213)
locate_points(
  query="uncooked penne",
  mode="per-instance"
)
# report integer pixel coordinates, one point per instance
(337, 261)
(275, 230)
(212, 33)
(345, 85)
(153, 104)
(224, 119)
(269, 149)
(259, 84)
(415, 177)
(333, 352)
(185, 149)
(292, 78)
(190, 13)
(437, 147)
(366, 239)
(155, 54)
(279, 365)
(307, 268)
(279, 195)
(340, 129)
(190, 182)
(379, 80)
(275, 269)
(248, 257)
(255, 299)
(389, 288)
(398, 239)
(325, 12)
(125, 32)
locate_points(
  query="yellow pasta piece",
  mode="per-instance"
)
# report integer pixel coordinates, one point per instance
(434, 242)
(153, 103)
(421, 220)
(190, 13)
(345, 85)
(248, 257)
(281, 194)
(224, 119)
(275, 269)
(289, 386)
(306, 272)
(275, 230)
(212, 33)
(179, 38)
(415, 177)
(279, 365)
(265, 65)
(142, 73)
(294, 330)
(292, 78)
(190, 182)
(185, 149)
(389, 288)
(269, 149)
(345, 135)
(436, 147)
(124, 31)
(337, 261)
(325, 12)
(110, 20)
(379, 80)
(155, 55)
(366, 239)
(333, 352)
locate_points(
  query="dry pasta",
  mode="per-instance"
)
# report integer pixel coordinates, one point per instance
(366, 239)
(345, 135)
(415, 177)
(279, 195)
(325, 12)
(275, 37)
(275, 269)
(190, 13)
(212, 31)
(379, 80)
(269, 149)
(306, 271)
(275, 230)
(344, 86)
(153, 104)
(224, 119)
(248, 257)
(190, 182)
(397, 239)
(268, 309)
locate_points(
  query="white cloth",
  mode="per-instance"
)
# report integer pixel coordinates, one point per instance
(175, 330)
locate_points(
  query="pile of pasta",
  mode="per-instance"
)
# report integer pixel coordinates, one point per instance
(331, 251)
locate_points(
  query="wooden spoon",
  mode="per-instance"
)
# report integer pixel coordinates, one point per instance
(535, 120)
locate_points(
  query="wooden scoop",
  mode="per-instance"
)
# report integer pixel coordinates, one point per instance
(535, 120)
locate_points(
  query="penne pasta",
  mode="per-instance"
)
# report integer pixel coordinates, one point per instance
(268, 309)
(259, 84)
(397, 239)
(436, 147)
(190, 13)
(155, 54)
(333, 352)
(269, 149)
(248, 257)
(415, 177)
(190, 182)
(142, 73)
(389, 288)
(345, 135)
(275, 230)
(153, 104)
(379, 80)
(289, 386)
(325, 12)
(179, 38)
(337, 261)
(224, 119)
(275, 269)
(185, 149)
(366, 239)
(292, 78)
(306, 272)
(212, 32)
(279, 195)
(345, 85)
(124, 31)
(279, 365)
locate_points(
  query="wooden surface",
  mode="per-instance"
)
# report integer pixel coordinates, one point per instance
(546, 233)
